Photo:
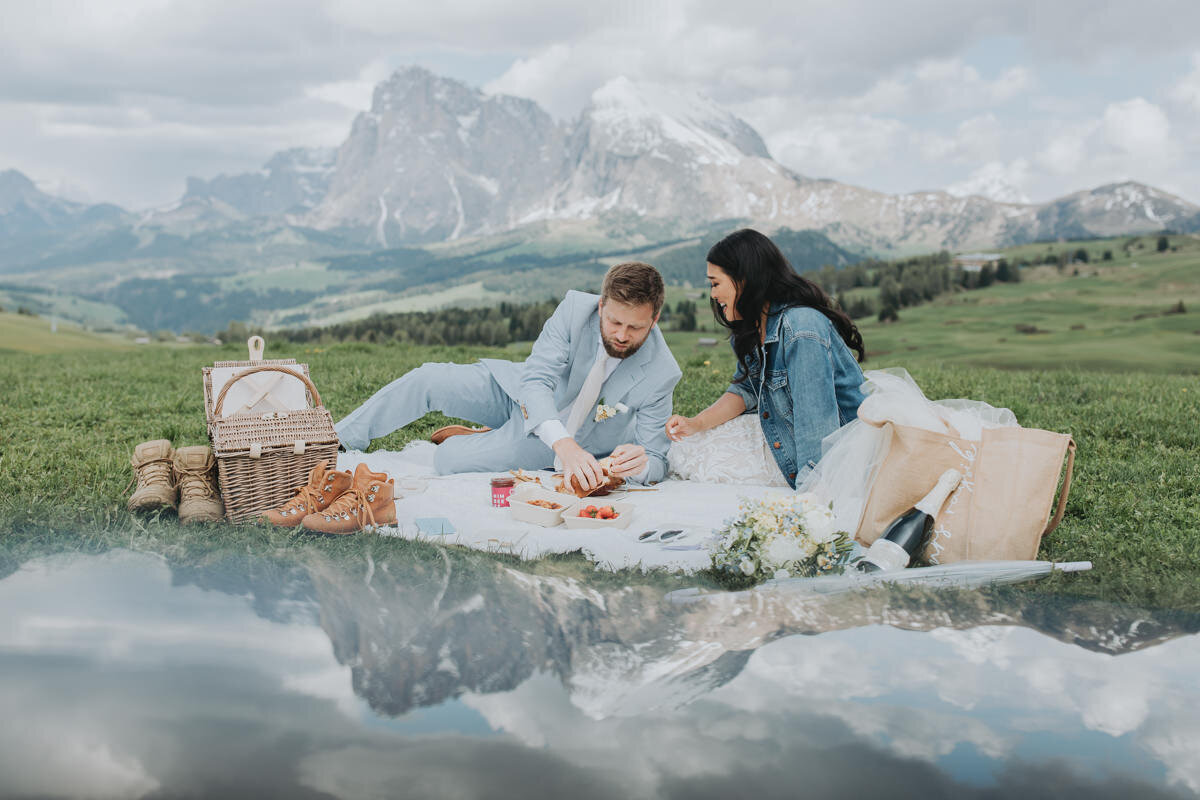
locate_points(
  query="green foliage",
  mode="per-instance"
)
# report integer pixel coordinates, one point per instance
(805, 251)
(684, 318)
(1163, 244)
(492, 327)
(189, 302)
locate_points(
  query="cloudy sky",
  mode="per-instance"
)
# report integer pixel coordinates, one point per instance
(122, 100)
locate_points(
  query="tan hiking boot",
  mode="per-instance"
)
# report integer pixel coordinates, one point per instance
(370, 501)
(446, 431)
(196, 476)
(156, 488)
(323, 487)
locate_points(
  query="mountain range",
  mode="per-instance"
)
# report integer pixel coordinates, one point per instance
(436, 160)
(463, 175)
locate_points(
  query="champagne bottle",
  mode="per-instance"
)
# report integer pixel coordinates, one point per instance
(909, 533)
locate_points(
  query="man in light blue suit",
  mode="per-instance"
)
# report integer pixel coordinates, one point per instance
(598, 383)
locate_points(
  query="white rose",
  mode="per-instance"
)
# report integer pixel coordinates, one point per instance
(782, 549)
(819, 524)
(747, 567)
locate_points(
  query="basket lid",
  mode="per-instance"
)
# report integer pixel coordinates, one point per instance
(260, 393)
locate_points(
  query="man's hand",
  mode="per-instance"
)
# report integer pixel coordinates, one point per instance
(627, 460)
(679, 426)
(578, 462)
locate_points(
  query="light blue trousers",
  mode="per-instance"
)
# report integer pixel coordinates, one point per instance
(467, 391)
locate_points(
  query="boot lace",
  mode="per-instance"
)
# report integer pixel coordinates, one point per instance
(196, 484)
(355, 503)
(151, 472)
(308, 498)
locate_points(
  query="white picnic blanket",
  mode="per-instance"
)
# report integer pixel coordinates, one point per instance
(465, 499)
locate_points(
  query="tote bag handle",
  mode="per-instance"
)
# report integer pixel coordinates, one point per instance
(1066, 490)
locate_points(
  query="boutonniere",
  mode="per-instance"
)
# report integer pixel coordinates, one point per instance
(604, 412)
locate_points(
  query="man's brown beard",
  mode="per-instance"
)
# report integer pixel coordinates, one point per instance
(626, 353)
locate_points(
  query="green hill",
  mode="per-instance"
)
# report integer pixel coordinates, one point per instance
(29, 334)
(1139, 311)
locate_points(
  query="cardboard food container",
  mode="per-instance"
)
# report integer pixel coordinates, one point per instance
(572, 519)
(520, 508)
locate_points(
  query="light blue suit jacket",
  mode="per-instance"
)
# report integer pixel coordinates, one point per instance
(550, 379)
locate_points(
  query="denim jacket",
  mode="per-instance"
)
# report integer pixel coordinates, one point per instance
(809, 388)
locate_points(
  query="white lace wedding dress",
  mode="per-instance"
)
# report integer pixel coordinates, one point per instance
(737, 452)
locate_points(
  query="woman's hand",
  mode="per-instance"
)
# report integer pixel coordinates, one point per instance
(679, 426)
(728, 406)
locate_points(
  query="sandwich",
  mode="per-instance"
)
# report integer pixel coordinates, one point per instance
(611, 482)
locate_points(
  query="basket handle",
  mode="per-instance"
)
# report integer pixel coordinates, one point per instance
(255, 346)
(312, 390)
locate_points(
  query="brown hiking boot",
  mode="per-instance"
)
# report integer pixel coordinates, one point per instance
(196, 476)
(156, 488)
(323, 487)
(369, 502)
(446, 431)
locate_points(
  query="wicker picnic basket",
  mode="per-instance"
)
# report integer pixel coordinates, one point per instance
(262, 457)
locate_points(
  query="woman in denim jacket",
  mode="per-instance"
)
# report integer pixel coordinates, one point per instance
(797, 367)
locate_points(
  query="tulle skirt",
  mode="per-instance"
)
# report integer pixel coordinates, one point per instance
(737, 452)
(851, 455)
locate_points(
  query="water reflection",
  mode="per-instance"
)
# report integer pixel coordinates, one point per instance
(444, 675)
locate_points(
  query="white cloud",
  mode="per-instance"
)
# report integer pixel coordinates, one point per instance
(952, 83)
(354, 94)
(1187, 91)
(844, 145)
(1138, 128)
(824, 83)
(1066, 152)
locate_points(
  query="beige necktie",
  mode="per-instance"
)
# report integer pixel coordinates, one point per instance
(585, 401)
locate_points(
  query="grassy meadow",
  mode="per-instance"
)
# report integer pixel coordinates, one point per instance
(74, 417)
(1113, 316)
(1106, 364)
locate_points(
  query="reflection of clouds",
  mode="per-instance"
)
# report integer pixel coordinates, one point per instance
(1013, 677)
(1174, 739)
(102, 608)
(54, 751)
(130, 684)
(1115, 707)
(833, 674)
(453, 767)
(100, 661)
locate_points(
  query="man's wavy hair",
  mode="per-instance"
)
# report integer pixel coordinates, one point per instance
(634, 283)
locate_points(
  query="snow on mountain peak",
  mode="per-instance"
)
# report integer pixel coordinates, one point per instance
(993, 181)
(654, 100)
(641, 117)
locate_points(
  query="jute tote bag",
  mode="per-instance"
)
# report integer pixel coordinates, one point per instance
(999, 510)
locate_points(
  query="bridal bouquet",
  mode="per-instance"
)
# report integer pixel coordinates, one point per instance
(791, 535)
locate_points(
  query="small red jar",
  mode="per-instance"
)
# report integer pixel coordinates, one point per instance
(501, 489)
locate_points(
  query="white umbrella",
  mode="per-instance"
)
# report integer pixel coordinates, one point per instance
(961, 575)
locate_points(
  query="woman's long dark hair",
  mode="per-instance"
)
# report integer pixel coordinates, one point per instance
(763, 275)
